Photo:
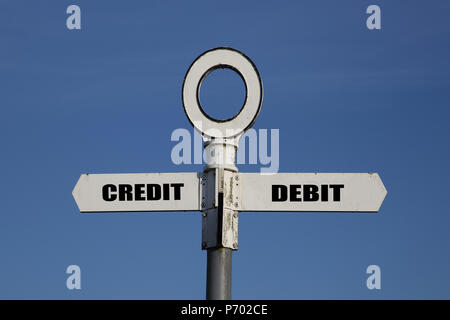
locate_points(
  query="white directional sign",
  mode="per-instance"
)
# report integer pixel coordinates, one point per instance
(357, 192)
(138, 192)
(362, 192)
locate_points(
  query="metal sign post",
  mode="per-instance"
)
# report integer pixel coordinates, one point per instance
(219, 206)
(220, 192)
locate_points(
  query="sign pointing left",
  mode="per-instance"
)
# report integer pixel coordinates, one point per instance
(138, 192)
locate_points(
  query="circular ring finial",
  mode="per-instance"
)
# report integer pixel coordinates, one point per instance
(204, 64)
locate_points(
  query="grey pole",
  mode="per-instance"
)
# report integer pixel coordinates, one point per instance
(218, 274)
(220, 217)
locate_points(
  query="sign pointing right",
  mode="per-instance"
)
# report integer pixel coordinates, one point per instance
(356, 192)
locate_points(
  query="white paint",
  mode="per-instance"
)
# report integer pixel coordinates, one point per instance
(362, 192)
(88, 192)
(207, 62)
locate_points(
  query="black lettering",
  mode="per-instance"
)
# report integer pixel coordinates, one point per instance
(324, 192)
(153, 192)
(139, 192)
(279, 193)
(166, 191)
(107, 192)
(125, 191)
(336, 191)
(295, 192)
(310, 192)
(177, 190)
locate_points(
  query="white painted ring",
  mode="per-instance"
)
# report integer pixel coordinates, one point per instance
(197, 72)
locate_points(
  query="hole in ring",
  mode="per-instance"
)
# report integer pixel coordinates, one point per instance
(225, 96)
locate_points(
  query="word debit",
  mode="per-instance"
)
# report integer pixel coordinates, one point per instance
(351, 192)
(311, 192)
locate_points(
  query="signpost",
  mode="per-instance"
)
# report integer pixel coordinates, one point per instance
(220, 192)
(138, 192)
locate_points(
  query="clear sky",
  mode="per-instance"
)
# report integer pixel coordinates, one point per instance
(106, 98)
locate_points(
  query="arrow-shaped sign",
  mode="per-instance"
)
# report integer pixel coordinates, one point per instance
(361, 192)
(138, 192)
(358, 192)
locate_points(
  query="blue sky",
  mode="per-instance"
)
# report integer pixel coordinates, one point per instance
(106, 98)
